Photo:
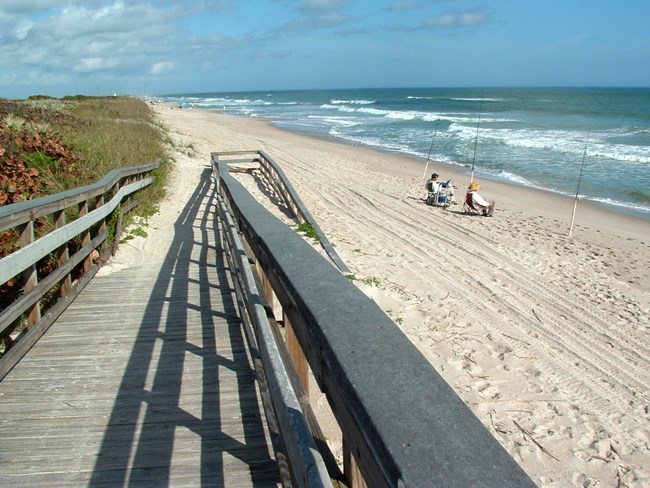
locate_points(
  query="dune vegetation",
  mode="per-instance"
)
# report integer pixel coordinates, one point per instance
(49, 145)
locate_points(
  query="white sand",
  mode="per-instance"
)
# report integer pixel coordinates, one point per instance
(546, 338)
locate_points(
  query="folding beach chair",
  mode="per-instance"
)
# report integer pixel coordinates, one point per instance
(468, 206)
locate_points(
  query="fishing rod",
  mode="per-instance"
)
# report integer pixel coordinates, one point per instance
(575, 202)
(478, 123)
(430, 149)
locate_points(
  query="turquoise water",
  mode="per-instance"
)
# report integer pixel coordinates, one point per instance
(533, 137)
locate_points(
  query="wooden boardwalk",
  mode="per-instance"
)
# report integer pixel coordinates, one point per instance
(143, 381)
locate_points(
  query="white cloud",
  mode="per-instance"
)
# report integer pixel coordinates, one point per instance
(317, 14)
(454, 19)
(115, 18)
(322, 5)
(161, 67)
(23, 28)
(404, 5)
(23, 7)
(87, 65)
(85, 40)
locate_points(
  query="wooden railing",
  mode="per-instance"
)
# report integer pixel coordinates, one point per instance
(74, 243)
(402, 424)
(292, 424)
(277, 180)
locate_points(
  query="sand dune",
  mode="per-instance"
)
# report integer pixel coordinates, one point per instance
(547, 338)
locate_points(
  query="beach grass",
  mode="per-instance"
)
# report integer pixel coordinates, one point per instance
(74, 141)
(53, 145)
(118, 132)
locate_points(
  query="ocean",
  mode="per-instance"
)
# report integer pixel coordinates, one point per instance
(538, 137)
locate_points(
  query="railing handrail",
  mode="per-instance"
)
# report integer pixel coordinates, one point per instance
(403, 424)
(17, 261)
(105, 196)
(290, 195)
(305, 461)
(22, 212)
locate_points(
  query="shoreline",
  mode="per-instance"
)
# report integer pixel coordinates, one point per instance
(532, 329)
(609, 196)
(456, 169)
(549, 203)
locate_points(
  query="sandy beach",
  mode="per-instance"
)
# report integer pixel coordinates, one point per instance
(545, 337)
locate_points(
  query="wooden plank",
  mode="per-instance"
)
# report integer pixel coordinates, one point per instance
(17, 261)
(148, 384)
(19, 213)
(353, 349)
(182, 476)
(297, 356)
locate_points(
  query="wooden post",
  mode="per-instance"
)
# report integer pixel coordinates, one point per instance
(102, 226)
(266, 284)
(85, 235)
(297, 356)
(62, 253)
(118, 225)
(30, 275)
(351, 469)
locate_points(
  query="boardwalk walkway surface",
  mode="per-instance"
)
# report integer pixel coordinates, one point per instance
(143, 381)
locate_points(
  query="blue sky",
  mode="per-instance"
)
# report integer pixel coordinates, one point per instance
(155, 47)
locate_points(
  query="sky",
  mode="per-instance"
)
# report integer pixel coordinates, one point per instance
(158, 47)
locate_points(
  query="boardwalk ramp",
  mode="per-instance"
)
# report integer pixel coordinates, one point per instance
(144, 380)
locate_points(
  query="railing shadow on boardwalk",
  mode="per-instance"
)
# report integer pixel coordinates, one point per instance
(129, 457)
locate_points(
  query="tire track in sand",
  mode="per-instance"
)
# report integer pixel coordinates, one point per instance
(575, 341)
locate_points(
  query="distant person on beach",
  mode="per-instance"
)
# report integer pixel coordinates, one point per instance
(477, 202)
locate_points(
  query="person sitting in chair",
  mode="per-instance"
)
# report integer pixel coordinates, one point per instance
(477, 202)
(434, 186)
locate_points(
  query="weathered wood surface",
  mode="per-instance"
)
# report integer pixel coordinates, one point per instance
(28, 255)
(277, 179)
(401, 421)
(28, 210)
(143, 381)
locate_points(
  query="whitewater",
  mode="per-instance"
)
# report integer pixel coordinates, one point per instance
(540, 137)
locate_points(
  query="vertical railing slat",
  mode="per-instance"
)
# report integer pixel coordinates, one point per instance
(85, 236)
(102, 225)
(30, 274)
(295, 352)
(62, 253)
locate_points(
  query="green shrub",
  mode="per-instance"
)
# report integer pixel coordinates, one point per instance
(308, 230)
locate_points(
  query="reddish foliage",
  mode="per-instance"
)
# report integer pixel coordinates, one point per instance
(19, 180)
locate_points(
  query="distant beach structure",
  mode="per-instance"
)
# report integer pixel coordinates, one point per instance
(531, 137)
